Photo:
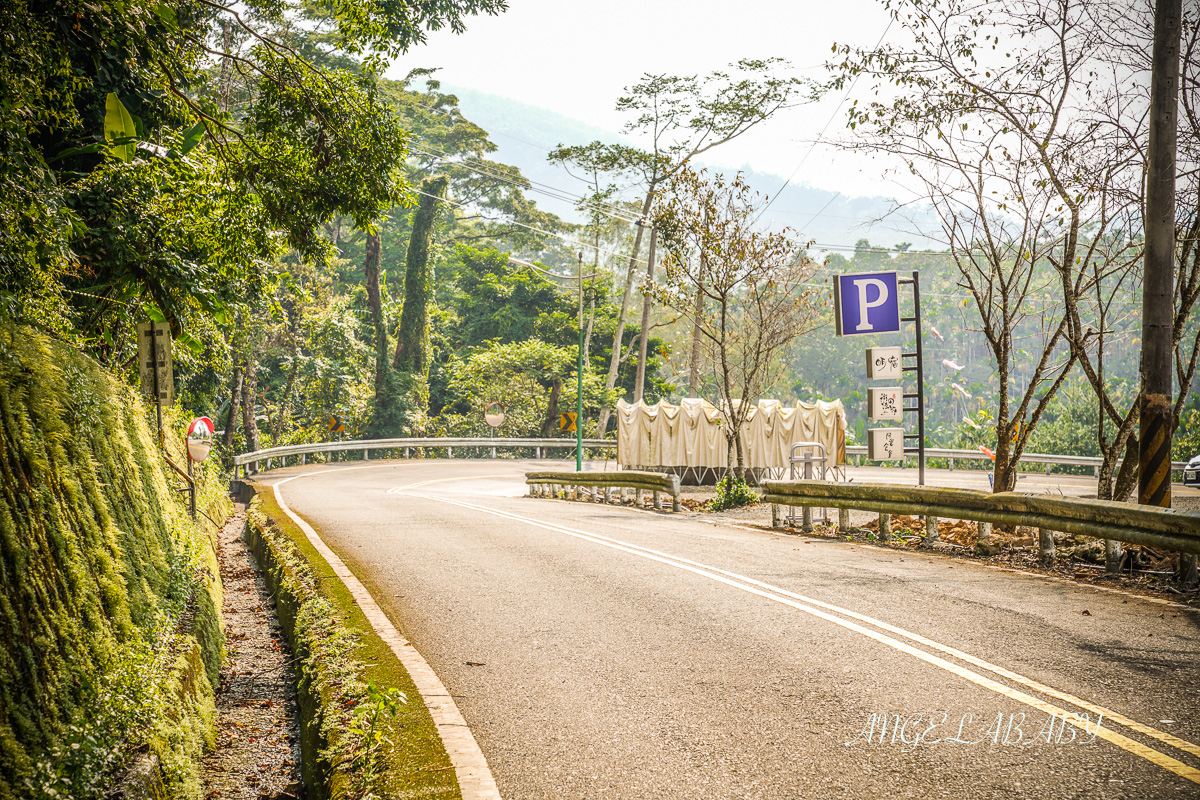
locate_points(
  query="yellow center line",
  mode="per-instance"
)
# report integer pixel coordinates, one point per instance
(812, 607)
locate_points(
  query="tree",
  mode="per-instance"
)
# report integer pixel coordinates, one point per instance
(989, 110)
(226, 136)
(683, 117)
(753, 285)
(412, 345)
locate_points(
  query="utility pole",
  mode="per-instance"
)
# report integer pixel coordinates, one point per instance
(579, 376)
(1154, 441)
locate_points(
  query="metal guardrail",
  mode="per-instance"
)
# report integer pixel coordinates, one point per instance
(540, 445)
(250, 461)
(1031, 458)
(542, 484)
(1165, 528)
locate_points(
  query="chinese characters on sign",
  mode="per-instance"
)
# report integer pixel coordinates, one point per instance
(885, 444)
(884, 364)
(885, 403)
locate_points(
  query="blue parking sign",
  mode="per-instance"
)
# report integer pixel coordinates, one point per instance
(867, 302)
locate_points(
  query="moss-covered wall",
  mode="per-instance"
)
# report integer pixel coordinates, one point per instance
(106, 584)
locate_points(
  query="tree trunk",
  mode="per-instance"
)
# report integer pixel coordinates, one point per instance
(587, 338)
(1127, 474)
(614, 362)
(225, 80)
(639, 388)
(249, 410)
(412, 349)
(235, 398)
(694, 364)
(551, 421)
(375, 301)
(277, 428)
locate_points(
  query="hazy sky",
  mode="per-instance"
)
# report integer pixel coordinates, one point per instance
(575, 58)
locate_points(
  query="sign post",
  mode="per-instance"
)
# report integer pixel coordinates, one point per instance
(918, 368)
(154, 365)
(869, 303)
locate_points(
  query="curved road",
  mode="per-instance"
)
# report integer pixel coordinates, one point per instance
(607, 652)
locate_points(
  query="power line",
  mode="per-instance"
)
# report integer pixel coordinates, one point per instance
(552, 191)
(832, 117)
(532, 228)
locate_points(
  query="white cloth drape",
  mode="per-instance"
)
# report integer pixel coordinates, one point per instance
(691, 434)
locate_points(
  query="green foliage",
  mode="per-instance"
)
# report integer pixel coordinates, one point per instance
(1186, 444)
(522, 376)
(732, 493)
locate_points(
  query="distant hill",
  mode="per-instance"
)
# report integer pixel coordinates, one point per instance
(525, 134)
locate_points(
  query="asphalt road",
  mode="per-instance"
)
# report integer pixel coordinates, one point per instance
(606, 652)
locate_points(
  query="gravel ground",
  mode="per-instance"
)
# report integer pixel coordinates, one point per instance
(258, 734)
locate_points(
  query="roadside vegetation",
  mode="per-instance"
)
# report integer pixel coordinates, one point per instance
(337, 254)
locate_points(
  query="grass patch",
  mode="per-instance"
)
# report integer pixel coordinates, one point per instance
(355, 747)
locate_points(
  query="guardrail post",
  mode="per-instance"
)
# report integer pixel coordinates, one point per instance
(885, 527)
(1114, 554)
(406, 452)
(844, 520)
(1046, 548)
(657, 501)
(931, 531)
(366, 454)
(637, 498)
(607, 495)
(302, 459)
(493, 451)
(951, 464)
(1187, 569)
(538, 452)
(449, 452)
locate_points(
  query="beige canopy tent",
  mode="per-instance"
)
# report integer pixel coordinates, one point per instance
(691, 434)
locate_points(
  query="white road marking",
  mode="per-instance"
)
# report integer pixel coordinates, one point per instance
(814, 608)
(475, 781)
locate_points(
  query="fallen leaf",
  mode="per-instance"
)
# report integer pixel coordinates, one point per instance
(1087, 613)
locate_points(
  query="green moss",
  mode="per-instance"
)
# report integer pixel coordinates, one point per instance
(99, 562)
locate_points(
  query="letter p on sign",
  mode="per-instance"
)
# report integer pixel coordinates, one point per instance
(866, 303)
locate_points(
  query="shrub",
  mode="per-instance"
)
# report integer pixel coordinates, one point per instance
(733, 493)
